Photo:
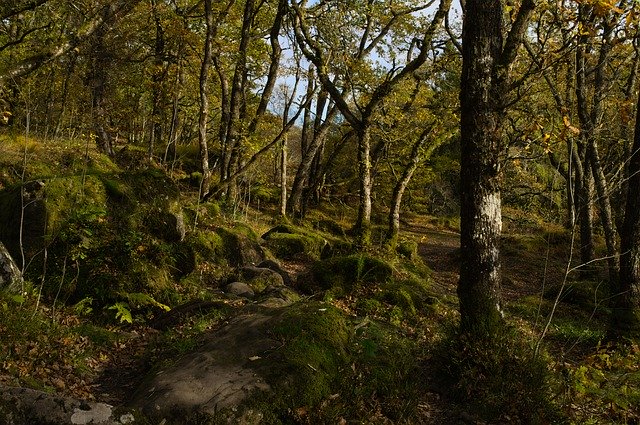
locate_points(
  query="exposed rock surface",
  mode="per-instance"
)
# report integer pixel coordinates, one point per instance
(23, 406)
(220, 375)
(10, 276)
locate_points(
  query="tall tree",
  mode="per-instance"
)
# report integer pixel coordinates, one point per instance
(486, 60)
(626, 295)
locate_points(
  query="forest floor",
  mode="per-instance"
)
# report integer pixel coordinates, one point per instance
(526, 272)
(533, 263)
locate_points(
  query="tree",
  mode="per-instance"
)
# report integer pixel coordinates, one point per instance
(361, 112)
(626, 295)
(486, 61)
(100, 20)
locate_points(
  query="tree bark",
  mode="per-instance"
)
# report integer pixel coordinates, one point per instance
(205, 184)
(363, 222)
(484, 87)
(626, 295)
(159, 74)
(283, 177)
(98, 84)
(480, 209)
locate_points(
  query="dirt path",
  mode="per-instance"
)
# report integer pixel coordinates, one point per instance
(529, 265)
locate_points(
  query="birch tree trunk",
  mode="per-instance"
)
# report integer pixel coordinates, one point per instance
(205, 184)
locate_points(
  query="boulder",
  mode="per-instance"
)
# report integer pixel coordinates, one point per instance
(240, 249)
(220, 376)
(259, 277)
(10, 275)
(240, 289)
(24, 406)
(274, 357)
(272, 265)
(169, 226)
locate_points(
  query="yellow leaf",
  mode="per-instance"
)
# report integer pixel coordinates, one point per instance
(567, 124)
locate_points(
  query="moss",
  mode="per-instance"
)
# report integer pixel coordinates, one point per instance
(368, 306)
(498, 377)
(331, 227)
(401, 299)
(314, 352)
(407, 249)
(265, 194)
(239, 248)
(289, 246)
(389, 356)
(348, 273)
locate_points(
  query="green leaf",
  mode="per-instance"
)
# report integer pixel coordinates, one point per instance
(122, 312)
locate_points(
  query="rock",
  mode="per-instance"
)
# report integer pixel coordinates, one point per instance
(280, 228)
(178, 228)
(240, 289)
(272, 265)
(10, 275)
(259, 278)
(240, 249)
(221, 375)
(169, 226)
(24, 406)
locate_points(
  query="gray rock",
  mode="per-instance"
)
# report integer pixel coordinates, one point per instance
(24, 406)
(221, 375)
(171, 226)
(259, 278)
(272, 265)
(240, 289)
(10, 275)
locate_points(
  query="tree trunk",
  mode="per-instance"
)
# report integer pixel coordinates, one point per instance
(304, 173)
(158, 77)
(204, 102)
(626, 295)
(417, 155)
(480, 209)
(363, 223)
(606, 214)
(283, 177)
(231, 156)
(98, 85)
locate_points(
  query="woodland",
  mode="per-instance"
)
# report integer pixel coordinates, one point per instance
(325, 211)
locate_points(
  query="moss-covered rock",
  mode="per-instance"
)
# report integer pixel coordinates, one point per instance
(240, 246)
(407, 249)
(345, 274)
(268, 361)
(290, 246)
(331, 227)
(316, 338)
(259, 278)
